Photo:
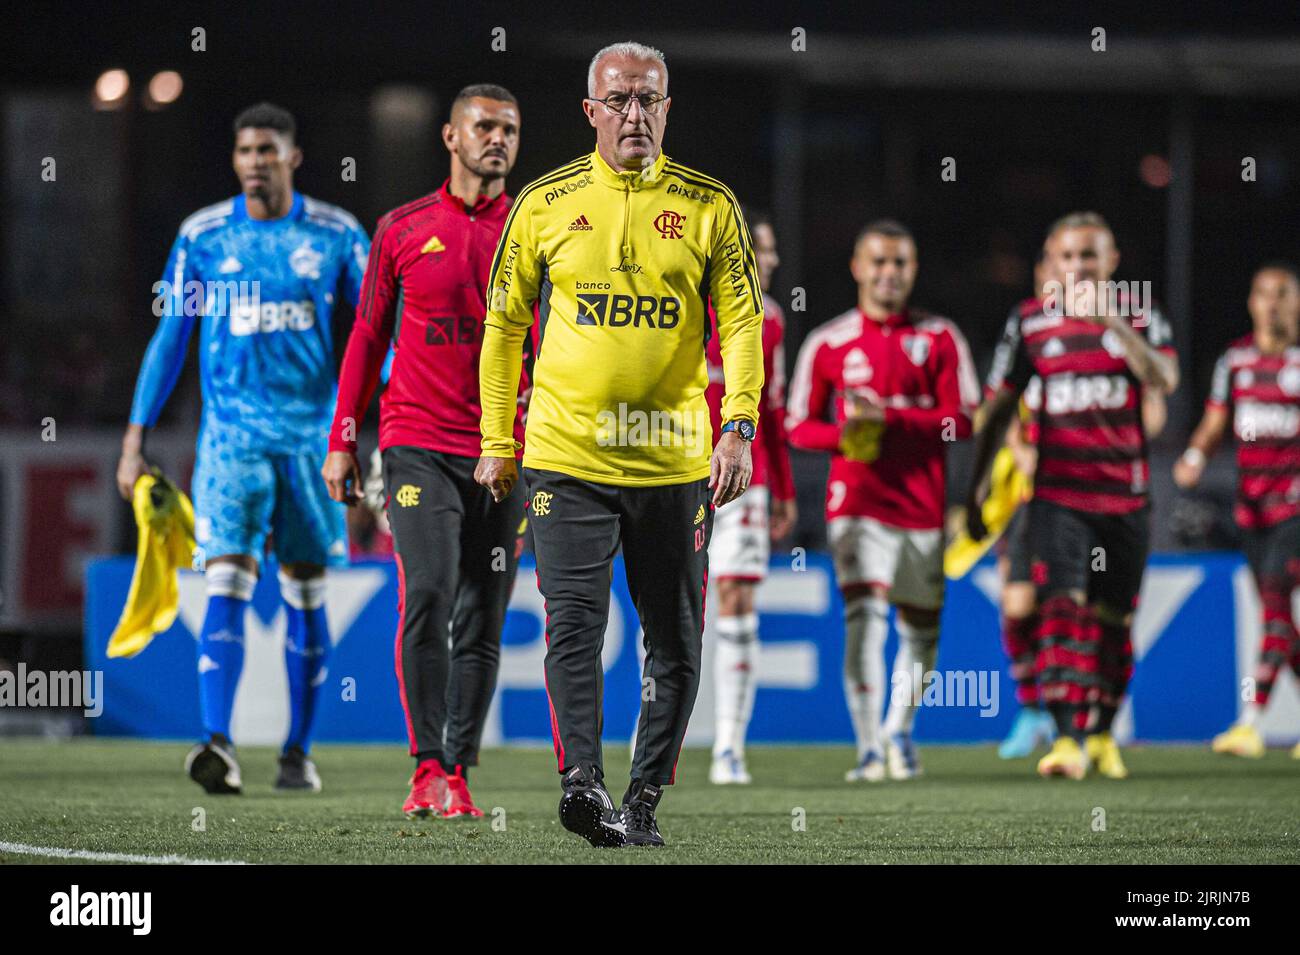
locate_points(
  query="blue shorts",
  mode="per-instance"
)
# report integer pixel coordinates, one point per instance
(240, 494)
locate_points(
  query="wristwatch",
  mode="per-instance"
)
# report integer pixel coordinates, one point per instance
(742, 426)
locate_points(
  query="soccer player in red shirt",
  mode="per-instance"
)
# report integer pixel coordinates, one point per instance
(1257, 382)
(738, 549)
(1089, 519)
(425, 292)
(885, 388)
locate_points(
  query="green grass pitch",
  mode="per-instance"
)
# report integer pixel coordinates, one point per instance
(1182, 805)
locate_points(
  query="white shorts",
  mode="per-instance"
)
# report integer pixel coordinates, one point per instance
(739, 545)
(907, 562)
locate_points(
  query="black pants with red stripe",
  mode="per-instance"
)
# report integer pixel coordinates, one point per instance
(664, 531)
(1085, 651)
(1274, 557)
(457, 553)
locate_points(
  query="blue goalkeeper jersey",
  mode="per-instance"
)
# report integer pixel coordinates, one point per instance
(263, 292)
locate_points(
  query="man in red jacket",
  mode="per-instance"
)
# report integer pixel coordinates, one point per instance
(425, 292)
(885, 388)
(738, 549)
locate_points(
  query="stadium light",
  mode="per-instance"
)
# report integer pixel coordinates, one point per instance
(1155, 171)
(111, 89)
(164, 89)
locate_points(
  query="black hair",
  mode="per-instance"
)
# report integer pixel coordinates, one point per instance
(485, 91)
(890, 228)
(1279, 265)
(267, 116)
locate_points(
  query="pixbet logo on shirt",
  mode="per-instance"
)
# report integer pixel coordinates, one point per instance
(699, 195)
(564, 188)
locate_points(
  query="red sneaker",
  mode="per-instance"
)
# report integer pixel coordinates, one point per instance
(462, 803)
(429, 793)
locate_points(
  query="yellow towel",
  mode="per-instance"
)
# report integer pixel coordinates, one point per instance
(862, 443)
(165, 519)
(1008, 489)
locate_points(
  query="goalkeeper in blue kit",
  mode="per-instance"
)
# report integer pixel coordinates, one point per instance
(258, 274)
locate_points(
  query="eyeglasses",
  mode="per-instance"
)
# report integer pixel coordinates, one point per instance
(621, 102)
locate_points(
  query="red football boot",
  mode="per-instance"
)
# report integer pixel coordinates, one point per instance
(429, 792)
(461, 803)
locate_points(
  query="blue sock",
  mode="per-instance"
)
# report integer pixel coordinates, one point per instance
(306, 652)
(221, 645)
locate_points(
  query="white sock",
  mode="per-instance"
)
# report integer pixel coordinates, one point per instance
(1250, 715)
(866, 623)
(915, 645)
(734, 681)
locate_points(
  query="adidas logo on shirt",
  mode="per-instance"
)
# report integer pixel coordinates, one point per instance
(580, 224)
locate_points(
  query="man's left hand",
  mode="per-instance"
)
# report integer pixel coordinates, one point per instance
(730, 468)
(784, 516)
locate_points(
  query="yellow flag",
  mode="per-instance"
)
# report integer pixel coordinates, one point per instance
(164, 519)
(1008, 488)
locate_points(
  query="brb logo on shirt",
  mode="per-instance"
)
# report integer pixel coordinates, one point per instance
(1070, 394)
(615, 311)
(250, 318)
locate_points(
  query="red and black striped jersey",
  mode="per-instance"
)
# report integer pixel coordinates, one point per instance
(1032, 399)
(1092, 451)
(1263, 393)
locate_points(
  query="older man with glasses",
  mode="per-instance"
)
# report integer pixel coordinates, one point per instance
(619, 250)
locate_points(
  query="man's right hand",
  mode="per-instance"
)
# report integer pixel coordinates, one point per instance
(975, 527)
(1188, 470)
(131, 465)
(342, 476)
(498, 475)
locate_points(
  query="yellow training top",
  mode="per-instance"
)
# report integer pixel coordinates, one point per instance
(621, 265)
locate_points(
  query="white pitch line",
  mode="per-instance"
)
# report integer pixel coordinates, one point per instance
(58, 853)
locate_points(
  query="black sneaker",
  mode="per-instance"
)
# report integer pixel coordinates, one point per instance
(585, 808)
(297, 771)
(638, 814)
(213, 766)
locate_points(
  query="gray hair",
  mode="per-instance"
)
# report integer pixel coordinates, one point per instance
(1079, 220)
(636, 51)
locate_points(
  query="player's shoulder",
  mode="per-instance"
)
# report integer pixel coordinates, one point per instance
(703, 187)
(1241, 350)
(937, 325)
(835, 333)
(1028, 307)
(206, 219)
(406, 213)
(328, 216)
(545, 188)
